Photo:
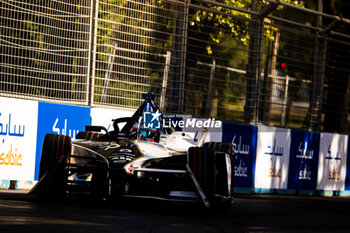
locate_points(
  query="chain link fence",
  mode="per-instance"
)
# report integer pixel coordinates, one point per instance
(44, 49)
(272, 63)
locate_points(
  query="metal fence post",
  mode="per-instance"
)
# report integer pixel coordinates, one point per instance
(183, 57)
(178, 58)
(285, 102)
(165, 79)
(256, 30)
(93, 43)
(212, 74)
(108, 73)
(318, 75)
(318, 84)
(252, 75)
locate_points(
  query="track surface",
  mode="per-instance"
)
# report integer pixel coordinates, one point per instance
(255, 213)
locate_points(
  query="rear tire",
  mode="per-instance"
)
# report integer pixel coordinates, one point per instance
(116, 187)
(202, 161)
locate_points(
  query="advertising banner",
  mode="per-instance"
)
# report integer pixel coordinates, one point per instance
(243, 138)
(347, 177)
(272, 158)
(303, 161)
(18, 131)
(332, 162)
(59, 119)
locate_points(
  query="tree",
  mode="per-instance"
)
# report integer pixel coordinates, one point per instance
(220, 32)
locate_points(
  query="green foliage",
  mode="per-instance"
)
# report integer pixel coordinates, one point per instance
(225, 26)
(224, 33)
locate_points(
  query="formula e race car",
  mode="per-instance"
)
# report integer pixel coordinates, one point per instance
(136, 162)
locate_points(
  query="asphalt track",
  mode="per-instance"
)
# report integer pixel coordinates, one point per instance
(250, 213)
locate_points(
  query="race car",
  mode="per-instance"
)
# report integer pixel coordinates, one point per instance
(137, 162)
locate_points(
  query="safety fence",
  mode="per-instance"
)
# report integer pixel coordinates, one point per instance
(273, 63)
(267, 159)
(45, 49)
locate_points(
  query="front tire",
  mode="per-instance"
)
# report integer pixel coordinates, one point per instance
(53, 172)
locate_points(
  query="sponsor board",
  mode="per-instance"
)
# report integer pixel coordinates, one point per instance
(59, 119)
(303, 162)
(332, 162)
(265, 157)
(347, 177)
(18, 131)
(243, 138)
(272, 158)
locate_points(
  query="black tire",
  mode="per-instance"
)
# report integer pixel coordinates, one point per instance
(116, 186)
(202, 162)
(222, 181)
(55, 147)
(55, 152)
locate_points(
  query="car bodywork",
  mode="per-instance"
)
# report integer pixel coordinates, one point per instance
(125, 163)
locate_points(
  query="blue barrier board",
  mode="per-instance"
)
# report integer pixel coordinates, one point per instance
(59, 119)
(243, 138)
(347, 176)
(303, 162)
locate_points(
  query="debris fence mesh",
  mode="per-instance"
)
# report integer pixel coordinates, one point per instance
(276, 64)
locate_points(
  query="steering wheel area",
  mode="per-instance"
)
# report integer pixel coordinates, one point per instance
(133, 130)
(129, 129)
